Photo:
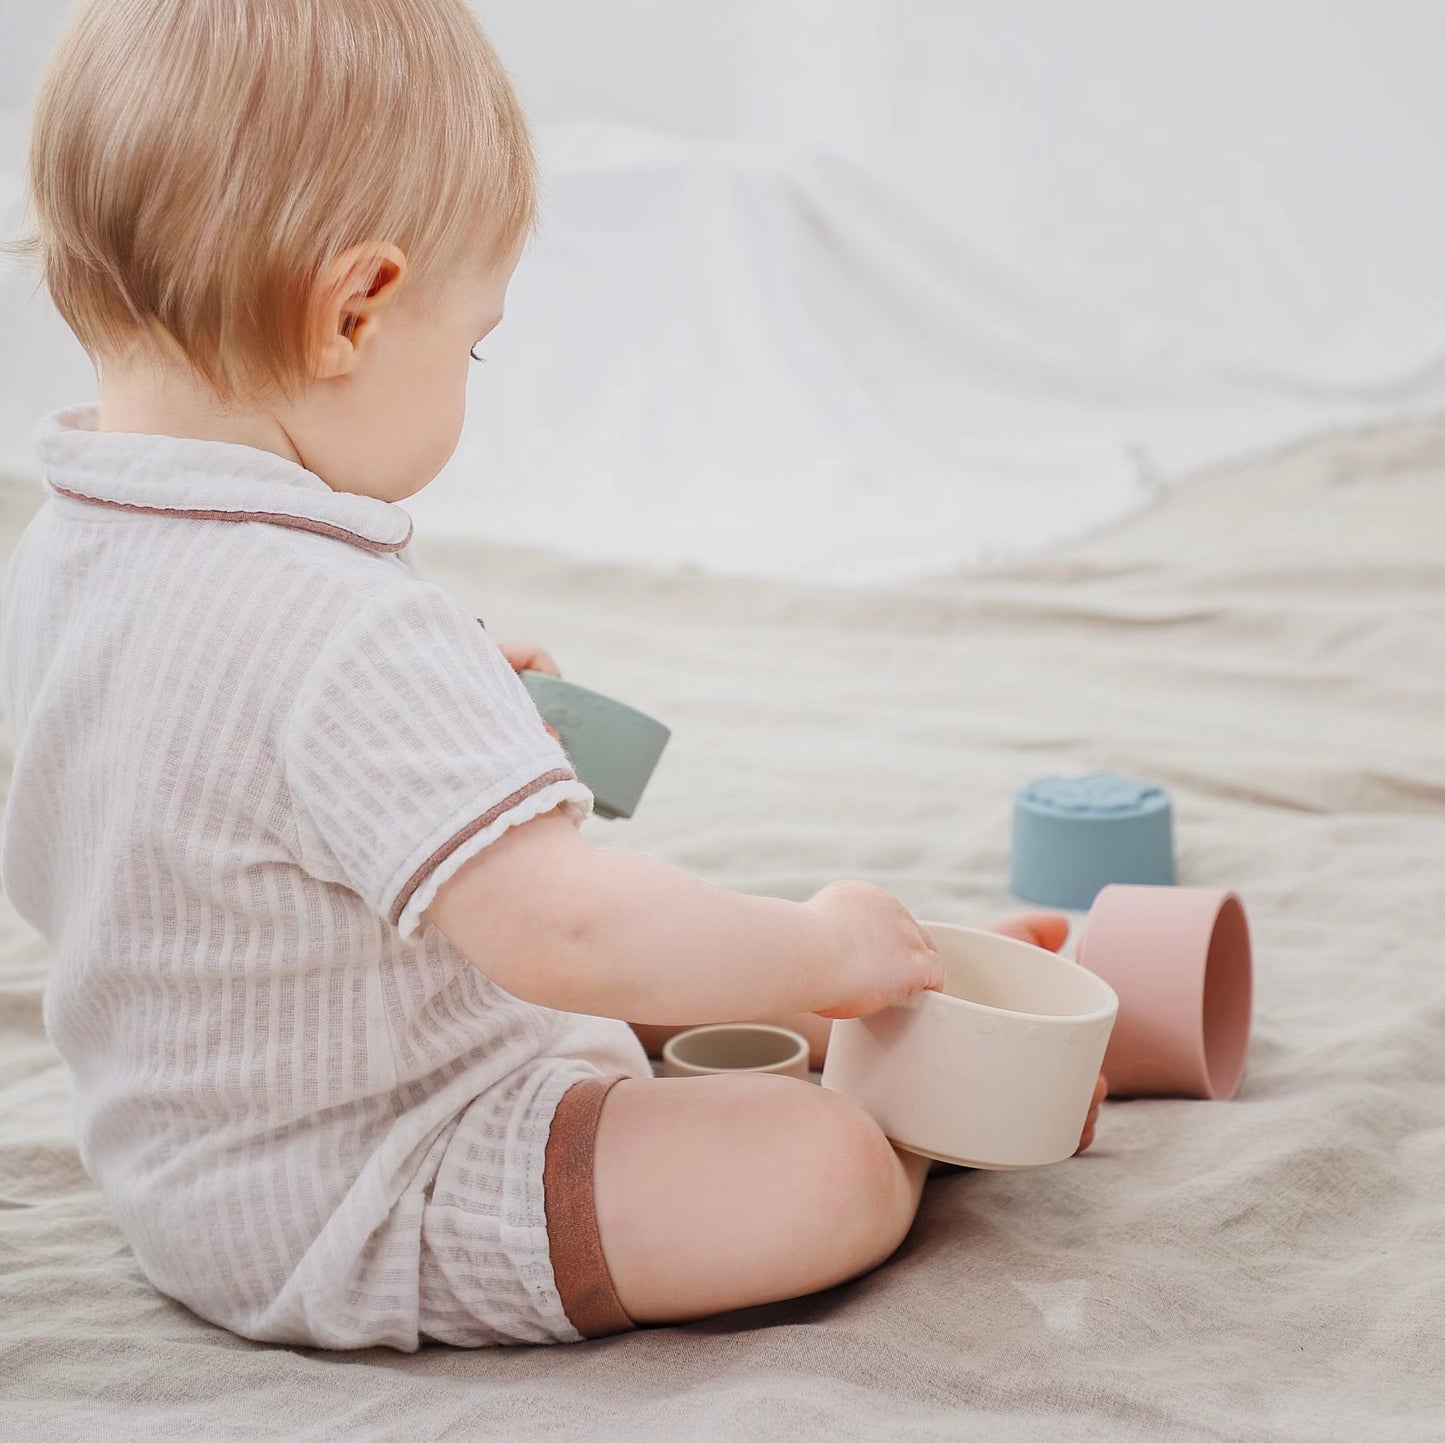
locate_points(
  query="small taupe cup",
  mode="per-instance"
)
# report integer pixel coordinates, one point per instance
(735, 1047)
(612, 747)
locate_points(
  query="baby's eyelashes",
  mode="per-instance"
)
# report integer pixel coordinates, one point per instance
(476, 357)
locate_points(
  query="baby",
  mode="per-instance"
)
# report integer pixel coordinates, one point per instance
(338, 976)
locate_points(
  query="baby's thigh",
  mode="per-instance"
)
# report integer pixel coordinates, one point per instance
(723, 1192)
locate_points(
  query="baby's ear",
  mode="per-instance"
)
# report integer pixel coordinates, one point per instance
(347, 301)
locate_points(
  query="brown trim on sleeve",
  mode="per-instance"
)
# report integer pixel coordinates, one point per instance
(569, 1188)
(275, 518)
(562, 774)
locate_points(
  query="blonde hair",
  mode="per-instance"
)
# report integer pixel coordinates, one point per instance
(197, 165)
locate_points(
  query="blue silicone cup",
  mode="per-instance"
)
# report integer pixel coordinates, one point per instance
(1074, 836)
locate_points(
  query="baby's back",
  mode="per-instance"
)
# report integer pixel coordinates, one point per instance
(237, 744)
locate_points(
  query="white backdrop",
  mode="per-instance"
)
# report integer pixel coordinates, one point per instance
(851, 288)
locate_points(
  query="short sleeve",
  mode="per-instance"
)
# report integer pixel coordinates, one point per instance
(410, 746)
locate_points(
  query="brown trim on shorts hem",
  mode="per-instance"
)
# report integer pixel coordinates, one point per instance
(276, 518)
(471, 829)
(569, 1188)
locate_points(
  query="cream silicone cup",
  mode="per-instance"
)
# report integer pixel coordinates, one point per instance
(1179, 958)
(735, 1047)
(995, 1071)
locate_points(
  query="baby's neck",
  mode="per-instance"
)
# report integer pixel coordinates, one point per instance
(159, 400)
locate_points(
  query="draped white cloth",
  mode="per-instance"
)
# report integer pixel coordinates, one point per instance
(867, 287)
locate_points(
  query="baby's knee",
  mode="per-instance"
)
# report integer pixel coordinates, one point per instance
(861, 1201)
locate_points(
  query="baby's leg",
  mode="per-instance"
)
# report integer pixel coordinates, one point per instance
(722, 1192)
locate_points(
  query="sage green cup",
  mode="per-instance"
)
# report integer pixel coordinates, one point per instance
(613, 748)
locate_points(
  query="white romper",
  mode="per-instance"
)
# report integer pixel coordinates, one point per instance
(250, 745)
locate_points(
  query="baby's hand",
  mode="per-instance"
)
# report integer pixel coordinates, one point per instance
(880, 955)
(528, 656)
(1101, 1091)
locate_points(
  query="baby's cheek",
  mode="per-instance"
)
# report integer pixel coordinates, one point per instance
(458, 411)
(458, 422)
(445, 430)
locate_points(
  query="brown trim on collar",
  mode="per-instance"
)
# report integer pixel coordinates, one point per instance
(274, 518)
(470, 830)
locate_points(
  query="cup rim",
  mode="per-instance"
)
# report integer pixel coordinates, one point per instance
(1107, 1009)
(1229, 956)
(801, 1050)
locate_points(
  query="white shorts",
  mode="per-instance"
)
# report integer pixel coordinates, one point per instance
(510, 1251)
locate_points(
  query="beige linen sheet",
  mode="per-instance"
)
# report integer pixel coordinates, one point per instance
(1269, 642)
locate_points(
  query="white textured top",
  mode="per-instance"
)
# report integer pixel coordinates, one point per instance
(250, 745)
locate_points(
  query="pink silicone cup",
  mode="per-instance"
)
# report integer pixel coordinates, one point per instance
(1179, 959)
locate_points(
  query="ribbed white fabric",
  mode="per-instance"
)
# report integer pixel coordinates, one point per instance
(250, 744)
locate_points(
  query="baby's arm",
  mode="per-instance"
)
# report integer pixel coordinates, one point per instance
(711, 1193)
(561, 923)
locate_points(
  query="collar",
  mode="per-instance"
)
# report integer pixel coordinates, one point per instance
(207, 480)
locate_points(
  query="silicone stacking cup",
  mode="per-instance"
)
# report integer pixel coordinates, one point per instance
(1179, 958)
(1073, 836)
(997, 1070)
(613, 748)
(735, 1047)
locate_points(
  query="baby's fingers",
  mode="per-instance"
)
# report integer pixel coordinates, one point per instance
(1101, 1091)
(528, 656)
(1043, 929)
(935, 974)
